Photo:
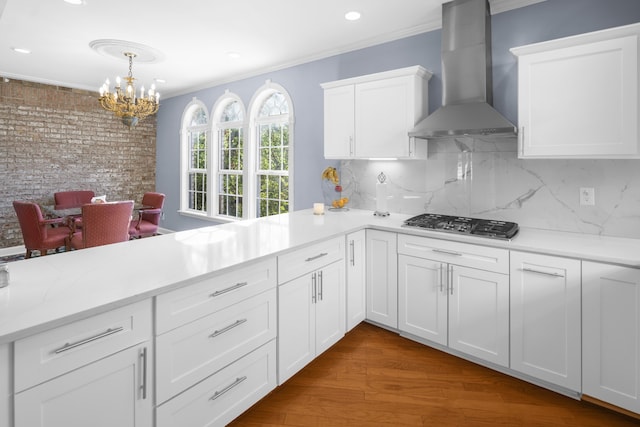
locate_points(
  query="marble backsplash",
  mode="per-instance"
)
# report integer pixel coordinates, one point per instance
(485, 179)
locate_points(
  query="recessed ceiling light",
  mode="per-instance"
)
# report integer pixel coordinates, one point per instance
(75, 2)
(233, 54)
(159, 80)
(352, 16)
(20, 50)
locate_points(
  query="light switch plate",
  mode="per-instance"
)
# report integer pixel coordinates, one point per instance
(587, 196)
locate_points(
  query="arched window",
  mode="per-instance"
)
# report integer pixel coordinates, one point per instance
(239, 174)
(272, 149)
(195, 155)
(230, 157)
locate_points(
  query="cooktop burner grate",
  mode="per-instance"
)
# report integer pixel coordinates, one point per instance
(464, 225)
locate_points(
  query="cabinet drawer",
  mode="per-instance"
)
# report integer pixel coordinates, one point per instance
(214, 293)
(305, 260)
(48, 354)
(474, 256)
(223, 396)
(186, 355)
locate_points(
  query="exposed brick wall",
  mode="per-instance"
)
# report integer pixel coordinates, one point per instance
(54, 138)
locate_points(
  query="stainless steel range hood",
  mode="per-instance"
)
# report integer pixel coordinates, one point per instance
(467, 88)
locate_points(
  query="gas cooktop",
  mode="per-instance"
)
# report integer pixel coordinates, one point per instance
(464, 225)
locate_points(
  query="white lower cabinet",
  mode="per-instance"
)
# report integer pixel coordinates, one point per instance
(225, 395)
(382, 277)
(443, 300)
(93, 372)
(611, 334)
(545, 318)
(311, 317)
(114, 391)
(356, 278)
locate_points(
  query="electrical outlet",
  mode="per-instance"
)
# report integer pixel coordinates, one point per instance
(587, 196)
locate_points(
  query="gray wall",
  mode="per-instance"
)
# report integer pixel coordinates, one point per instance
(543, 21)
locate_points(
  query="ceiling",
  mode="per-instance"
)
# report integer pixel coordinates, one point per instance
(187, 43)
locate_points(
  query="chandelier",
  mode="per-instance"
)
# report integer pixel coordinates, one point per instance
(124, 103)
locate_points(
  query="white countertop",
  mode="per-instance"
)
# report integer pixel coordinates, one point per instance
(46, 292)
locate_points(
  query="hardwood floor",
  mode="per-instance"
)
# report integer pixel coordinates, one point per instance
(374, 377)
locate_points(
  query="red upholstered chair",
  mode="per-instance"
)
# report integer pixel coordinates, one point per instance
(72, 199)
(37, 233)
(103, 224)
(148, 219)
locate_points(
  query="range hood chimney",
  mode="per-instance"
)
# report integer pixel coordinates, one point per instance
(467, 92)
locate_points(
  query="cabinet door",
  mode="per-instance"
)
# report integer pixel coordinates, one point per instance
(382, 278)
(384, 116)
(422, 298)
(329, 306)
(114, 391)
(6, 389)
(611, 334)
(356, 278)
(561, 95)
(545, 318)
(339, 110)
(296, 326)
(479, 313)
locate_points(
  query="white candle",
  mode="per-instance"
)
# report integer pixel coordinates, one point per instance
(318, 208)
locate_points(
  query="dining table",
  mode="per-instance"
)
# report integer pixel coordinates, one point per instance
(52, 212)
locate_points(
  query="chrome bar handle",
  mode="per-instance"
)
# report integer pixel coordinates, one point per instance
(352, 245)
(229, 289)
(441, 279)
(217, 394)
(317, 256)
(450, 278)
(531, 270)
(227, 328)
(320, 292)
(442, 251)
(351, 145)
(522, 142)
(314, 284)
(143, 384)
(69, 346)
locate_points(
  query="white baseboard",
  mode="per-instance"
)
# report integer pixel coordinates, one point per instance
(14, 250)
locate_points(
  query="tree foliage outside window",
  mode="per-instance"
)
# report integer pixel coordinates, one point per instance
(273, 156)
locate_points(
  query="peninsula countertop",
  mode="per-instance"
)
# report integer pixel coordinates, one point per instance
(46, 292)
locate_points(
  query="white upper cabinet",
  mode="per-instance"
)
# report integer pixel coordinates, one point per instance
(578, 96)
(370, 116)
